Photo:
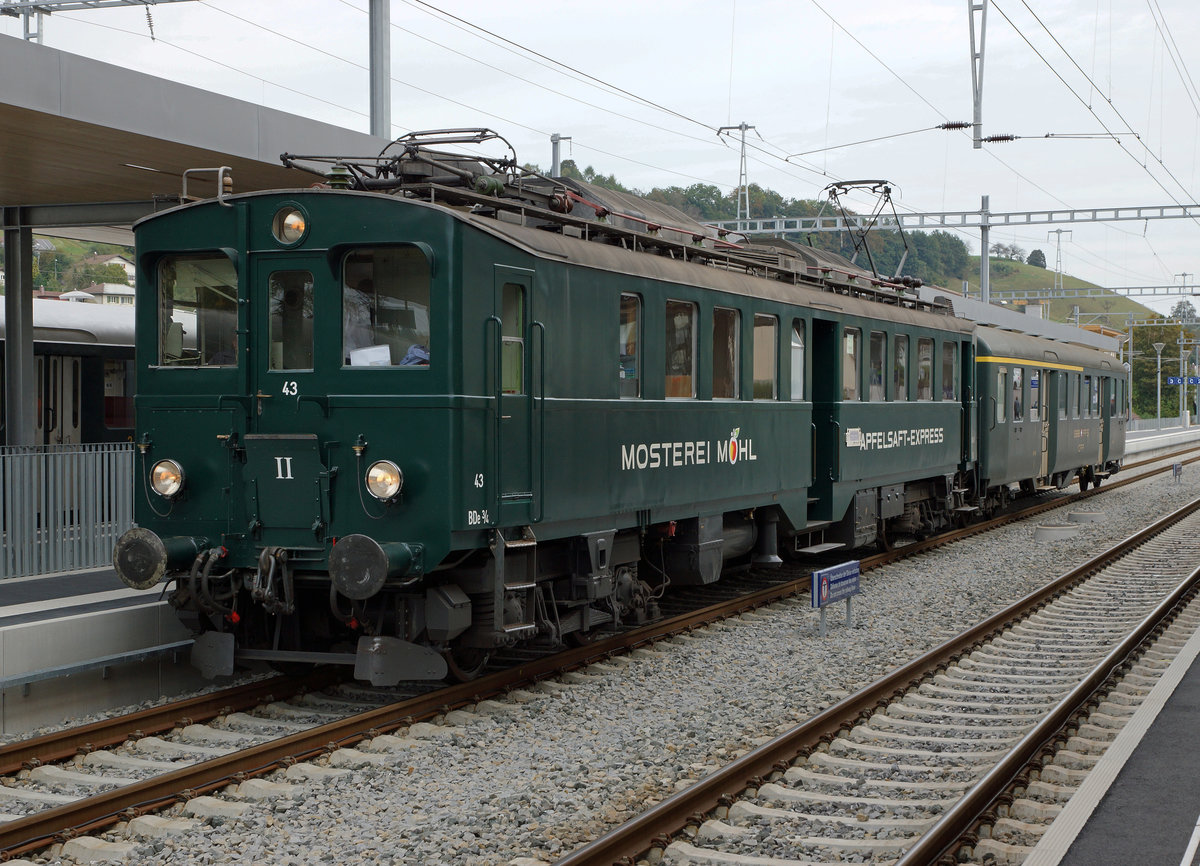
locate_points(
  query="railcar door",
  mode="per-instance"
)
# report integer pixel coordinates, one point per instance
(516, 390)
(1039, 392)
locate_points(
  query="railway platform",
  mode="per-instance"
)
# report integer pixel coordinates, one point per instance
(79, 642)
(1141, 803)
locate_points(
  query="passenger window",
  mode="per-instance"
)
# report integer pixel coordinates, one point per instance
(512, 338)
(1094, 403)
(681, 350)
(1076, 391)
(949, 371)
(1035, 394)
(1018, 375)
(630, 358)
(291, 321)
(1001, 394)
(875, 392)
(197, 304)
(1063, 382)
(798, 360)
(766, 350)
(385, 308)
(118, 393)
(924, 369)
(900, 370)
(727, 325)
(1085, 398)
(850, 351)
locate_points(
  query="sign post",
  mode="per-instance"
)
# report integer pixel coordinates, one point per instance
(834, 584)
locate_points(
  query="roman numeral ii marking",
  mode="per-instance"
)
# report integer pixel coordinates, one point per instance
(283, 468)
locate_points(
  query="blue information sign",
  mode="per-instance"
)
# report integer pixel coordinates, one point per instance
(1194, 380)
(1174, 380)
(834, 584)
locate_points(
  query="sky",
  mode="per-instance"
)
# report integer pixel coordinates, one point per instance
(1105, 106)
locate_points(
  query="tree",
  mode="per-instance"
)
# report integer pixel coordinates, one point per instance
(1183, 310)
(1037, 258)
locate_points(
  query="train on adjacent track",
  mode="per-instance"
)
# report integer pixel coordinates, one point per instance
(437, 405)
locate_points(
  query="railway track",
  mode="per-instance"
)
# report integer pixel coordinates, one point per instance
(963, 755)
(142, 788)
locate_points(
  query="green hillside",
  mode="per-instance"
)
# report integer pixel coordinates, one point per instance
(1108, 309)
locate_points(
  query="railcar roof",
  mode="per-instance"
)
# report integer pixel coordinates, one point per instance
(995, 343)
(57, 321)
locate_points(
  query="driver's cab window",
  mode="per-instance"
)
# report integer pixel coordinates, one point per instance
(385, 308)
(197, 311)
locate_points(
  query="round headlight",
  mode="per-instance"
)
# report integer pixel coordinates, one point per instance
(384, 479)
(166, 477)
(289, 225)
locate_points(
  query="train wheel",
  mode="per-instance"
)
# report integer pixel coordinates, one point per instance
(466, 663)
(886, 541)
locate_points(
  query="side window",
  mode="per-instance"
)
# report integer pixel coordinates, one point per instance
(900, 369)
(1085, 398)
(1001, 394)
(385, 307)
(1076, 391)
(629, 362)
(1113, 392)
(1018, 384)
(681, 350)
(1097, 383)
(291, 320)
(512, 338)
(727, 326)
(924, 369)
(949, 371)
(851, 338)
(1063, 381)
(766, 351)
(798, 359)
(875, 392)
(118, 392)
(197, 308)
(1035, 395)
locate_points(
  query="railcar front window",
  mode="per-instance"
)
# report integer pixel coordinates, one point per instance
(850, 352)
(766, 343)
(629, 362)
(291, 320)
(727, 325)
(197, 304)
(512, 339)
(385, 308)
(681, 350)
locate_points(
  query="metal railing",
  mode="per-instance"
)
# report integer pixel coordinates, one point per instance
(63, 506)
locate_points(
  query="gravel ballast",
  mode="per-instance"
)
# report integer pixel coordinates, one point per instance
(538, 775)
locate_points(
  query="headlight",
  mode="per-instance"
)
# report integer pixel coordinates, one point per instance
(166, 477)
(384, 479)
(289, 225)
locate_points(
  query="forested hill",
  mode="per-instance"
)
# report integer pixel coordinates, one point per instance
(938, 257)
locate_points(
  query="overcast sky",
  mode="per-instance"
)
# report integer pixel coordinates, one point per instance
(808, 74)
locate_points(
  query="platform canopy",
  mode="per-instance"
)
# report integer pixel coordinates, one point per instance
(87, 148)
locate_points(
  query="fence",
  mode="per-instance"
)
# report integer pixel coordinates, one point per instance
(64, 506)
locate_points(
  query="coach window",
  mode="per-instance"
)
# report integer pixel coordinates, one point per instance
(1018, 386)
(1035, 394)
(1001, 394)
(681, 350)
(798, 359)
(875, 386)
(766, 351)
(900, 369)
(727, 325)
(629, 362)
(924, 369)
(385, 307)
(1094, 398)
(291, 320)
(197, 308)
(1063, 382)
(850, 351)
(1085, 398)
(512, 338)
(949, 371)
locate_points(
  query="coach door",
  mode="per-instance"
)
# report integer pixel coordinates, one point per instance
(1039, 395)
(516, 384)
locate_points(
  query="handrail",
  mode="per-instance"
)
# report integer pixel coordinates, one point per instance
(835, 472)
(536, 512)
(497, 387)
(223, 172)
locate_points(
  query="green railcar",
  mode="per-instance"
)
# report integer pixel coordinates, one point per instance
(442, 406)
